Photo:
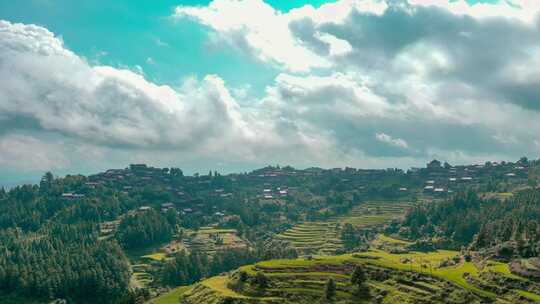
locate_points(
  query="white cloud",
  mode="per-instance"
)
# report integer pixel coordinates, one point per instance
(523, 10)
(387, 139)
(259, 26)
(337, 46)
(267, 34)
(59, 91)
(417, 71)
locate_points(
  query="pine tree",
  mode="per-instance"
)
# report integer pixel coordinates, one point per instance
(358, 276)
(261, 280)
(330, 290)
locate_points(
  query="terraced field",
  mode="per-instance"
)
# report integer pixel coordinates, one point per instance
(314, 237)
(324, 237)
(210, 240)
(413, 277)
(172, 297)
(375, 213)
(141, 276)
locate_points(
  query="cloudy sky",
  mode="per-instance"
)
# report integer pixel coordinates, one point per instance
(233, 85)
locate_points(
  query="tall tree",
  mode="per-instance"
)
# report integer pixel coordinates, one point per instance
(330, 289)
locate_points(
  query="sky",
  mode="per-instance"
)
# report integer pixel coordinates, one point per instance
(232, 85)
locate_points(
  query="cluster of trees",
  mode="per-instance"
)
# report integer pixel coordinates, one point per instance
(65, 262)
(50, 246)
(146, 228)
(467, 219)
(186, 268)
(358, 279)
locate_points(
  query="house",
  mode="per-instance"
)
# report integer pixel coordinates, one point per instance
(167, 205)
(145, 208)
(72, 196)
(429, 188)
(439, 191)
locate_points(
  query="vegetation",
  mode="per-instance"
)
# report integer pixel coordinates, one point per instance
(455, 234)
(330, 289)
(414, 277)
(510, 227)
(145, 229)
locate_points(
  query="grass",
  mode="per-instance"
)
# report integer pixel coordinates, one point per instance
(503, 269)
(158, 256)
(219, 284)
(529, 295)
(304, 279)
(211, 230)
(428, 263)
(323, 237)
(172, 297)
(387, 239)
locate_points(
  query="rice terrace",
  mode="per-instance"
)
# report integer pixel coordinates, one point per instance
(270, 152)
(324, 237)
(412, 277)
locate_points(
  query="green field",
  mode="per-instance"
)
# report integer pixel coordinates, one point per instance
(313, 237)
(412, 277)
(172, 297)
(324, 237)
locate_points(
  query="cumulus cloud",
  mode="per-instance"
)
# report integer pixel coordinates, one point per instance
(55, 90)
(361, 82)
(397, 142)
(259, 29)
(48, 89)
(404, 66)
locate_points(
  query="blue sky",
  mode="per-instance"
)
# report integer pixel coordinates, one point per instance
(127, 33)
(233, 84)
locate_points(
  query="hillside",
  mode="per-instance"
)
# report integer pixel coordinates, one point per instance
(414, 277)
(507, 228)
(324, 237)
(143, 231)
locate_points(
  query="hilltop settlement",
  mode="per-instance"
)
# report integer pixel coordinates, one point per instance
(437, 234)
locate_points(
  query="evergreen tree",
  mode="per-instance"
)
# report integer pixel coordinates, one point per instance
(330, 289)
(358, 276)
(261, 280)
